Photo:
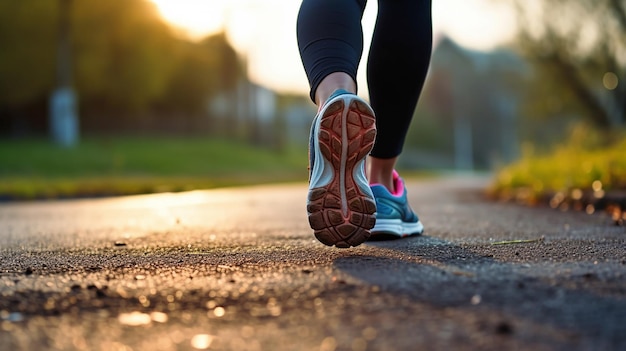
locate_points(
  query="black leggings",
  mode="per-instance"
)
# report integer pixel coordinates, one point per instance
(330, 38)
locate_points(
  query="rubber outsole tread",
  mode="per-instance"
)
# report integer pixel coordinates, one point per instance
(339, 212)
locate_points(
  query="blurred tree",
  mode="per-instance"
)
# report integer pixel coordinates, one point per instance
(28, 39)
(205, 69)
(124, 53)
(578, 49)
(127, 63)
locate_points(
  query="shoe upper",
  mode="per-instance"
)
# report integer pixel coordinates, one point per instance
(393, 206)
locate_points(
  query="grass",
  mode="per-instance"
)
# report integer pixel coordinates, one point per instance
(131, 165)
(587, 163)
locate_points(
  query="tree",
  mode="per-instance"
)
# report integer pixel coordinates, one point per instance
(204, 69)
(579, 51)
(124, 53)
(126, 63)
(121, 55)
(28, 45)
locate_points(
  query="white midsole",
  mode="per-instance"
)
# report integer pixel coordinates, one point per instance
(397, 227)
(323, 171)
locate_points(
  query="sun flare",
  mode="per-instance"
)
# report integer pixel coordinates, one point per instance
(196, 18)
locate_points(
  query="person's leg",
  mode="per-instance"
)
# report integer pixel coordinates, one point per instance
(330, 40)
(398, 62)
(340, 203)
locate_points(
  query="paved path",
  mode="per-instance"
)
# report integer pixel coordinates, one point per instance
(239, 269)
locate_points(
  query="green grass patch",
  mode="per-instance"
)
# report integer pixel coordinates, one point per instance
(587, 162)
(133, 165)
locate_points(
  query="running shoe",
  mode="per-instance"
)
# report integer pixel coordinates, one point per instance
(394, 218)
(340, 204)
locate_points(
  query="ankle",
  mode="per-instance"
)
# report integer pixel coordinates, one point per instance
(380, 171)
(384, 182)
(333, 82)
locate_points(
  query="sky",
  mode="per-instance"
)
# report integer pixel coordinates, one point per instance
(264, 31)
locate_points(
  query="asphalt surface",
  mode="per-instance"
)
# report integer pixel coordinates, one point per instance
(239, 269)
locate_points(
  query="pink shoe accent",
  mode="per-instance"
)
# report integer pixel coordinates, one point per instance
(398, 185)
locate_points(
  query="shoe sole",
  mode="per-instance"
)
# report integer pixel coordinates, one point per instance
(386, 229)
(340, 204)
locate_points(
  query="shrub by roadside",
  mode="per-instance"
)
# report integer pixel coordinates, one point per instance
(587, 173)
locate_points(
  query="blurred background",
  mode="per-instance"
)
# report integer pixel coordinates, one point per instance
(133, 96)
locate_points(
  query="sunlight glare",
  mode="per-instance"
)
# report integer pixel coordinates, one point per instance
(196, 18)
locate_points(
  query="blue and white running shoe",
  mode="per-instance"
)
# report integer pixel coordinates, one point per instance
(394, 218)
(340, 204)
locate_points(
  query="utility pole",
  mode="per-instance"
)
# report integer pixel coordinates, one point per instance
(63, 116)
